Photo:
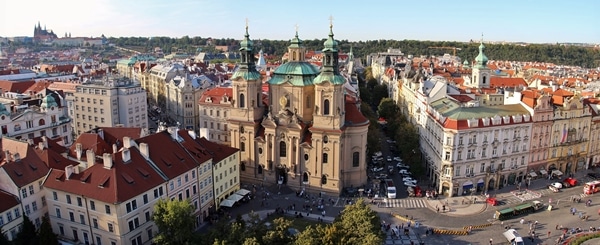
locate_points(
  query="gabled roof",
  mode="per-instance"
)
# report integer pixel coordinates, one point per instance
(91, 141)
(120, 183)
(508, 82)
(169, 156)
(216, 96)
(353, 116)
(8, 202)
(112, 135)
(25, 169)
(218, 151)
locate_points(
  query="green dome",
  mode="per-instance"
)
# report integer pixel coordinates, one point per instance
(330, 44)
(296, 42)
(296, 73)
(48, 102)
(481, 60)
(246, 44)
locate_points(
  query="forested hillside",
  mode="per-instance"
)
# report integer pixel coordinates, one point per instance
(558, 54)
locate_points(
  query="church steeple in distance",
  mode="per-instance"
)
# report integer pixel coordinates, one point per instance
(247, 51)
(481, 60)
(330, 52)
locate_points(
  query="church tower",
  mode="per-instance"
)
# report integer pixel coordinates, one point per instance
(480, 76)
(247, 105)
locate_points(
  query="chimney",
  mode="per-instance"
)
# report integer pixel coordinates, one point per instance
(108, 162)
(101, 133)
(126, 155)
(41, 145)
(76, 169)
(173, 131)
(127, 142)
(30, 141)
(90, 156)
(78, 150)
(115, 149)
(45, 141)
(68, 171)
(7, 155)
(144, 150)
(17, 157)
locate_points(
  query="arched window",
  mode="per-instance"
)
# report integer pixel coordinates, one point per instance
(484, 79)
(258, 100)
(326, 107)
(305, 177)
(260, 169)
(242, 146)
(42, 122)
(287, 104)
(242, 103)
(325, 139)
(243, 166)
(282, 149)
(355, 159)
(325, 158)
(324, 179)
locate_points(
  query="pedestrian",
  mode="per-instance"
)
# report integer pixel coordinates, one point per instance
(438, 210)
(522, 221)
(549, 232)
(491, 241)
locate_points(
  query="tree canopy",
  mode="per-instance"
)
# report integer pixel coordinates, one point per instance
(46, 235)
(175, 222)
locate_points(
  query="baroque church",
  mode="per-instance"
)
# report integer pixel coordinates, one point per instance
(308, 133)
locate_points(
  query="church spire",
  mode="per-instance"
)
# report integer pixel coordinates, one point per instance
(247, 65)
(481, 60)
(330, 52)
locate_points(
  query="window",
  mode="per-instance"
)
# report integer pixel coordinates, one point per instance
(110, 227)
(24, 193)
(69, 199)
(242, 146)
(72, 216)
(282, 149)
(92, 205)
(58, 213)
(325, 156)
(82, 219)
(482, 168)
(9, 216)
(95, 223)
(31, 191)
(242, 101)
(457, 171)
(79, 203)
(27, 209)
(107, 209)
(34, 206)
(133, 224)
(98, 240)
(326, 107)
(145, 197)
(147, 216)
(17, 213)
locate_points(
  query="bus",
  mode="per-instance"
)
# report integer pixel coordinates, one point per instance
(522, 209)
(591, 187)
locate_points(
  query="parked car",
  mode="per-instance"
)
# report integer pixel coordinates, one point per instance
(557, 185)
(569, 182)
(410, 184)
(389, 158)
(398, 159)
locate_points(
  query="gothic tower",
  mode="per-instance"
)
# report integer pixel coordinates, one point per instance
(480, 76)
(247, 105)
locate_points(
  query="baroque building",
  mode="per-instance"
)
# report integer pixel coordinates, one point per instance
(311, 135)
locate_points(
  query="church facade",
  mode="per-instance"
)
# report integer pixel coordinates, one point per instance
(308, 132)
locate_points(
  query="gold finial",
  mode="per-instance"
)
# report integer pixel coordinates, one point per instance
(246, 24)
(331, 21)
(296, 27)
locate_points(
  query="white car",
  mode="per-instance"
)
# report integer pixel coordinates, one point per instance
(389, 159)
(398, 159)
(408, 179)
(557, 185)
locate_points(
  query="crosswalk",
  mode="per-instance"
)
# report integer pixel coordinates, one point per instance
(403, 203)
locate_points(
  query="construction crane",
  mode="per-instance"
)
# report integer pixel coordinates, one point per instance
(453, 49)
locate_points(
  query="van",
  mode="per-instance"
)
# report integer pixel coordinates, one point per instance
(513, 237)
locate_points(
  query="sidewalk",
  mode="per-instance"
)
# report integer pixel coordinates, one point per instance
(456, 206)
(263, 214)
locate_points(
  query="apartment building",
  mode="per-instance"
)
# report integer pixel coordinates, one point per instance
(182, 162)
(214, 106)
(476, 149)
(10, 215)
(49, 119)
(182, 95)
(110, 202)
(225, 170)
(594, 145)
(23, 169)
(125, 67)
(68, 89)
(158, 77)
(570, 133)
(539, 105)
(109, 102)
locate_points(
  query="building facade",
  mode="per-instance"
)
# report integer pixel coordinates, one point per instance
(10, 216)
(182, 94)
(215, 105)
(311, 136)
(108, 103)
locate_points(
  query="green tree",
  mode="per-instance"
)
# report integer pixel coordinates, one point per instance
(357, 225)
(387, 108)
(380, 91)
(46, 235)
(279, 233)
(27, 235)
(175, 222)
(3, 239)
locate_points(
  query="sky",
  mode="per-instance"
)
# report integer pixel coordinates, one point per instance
(543, 21)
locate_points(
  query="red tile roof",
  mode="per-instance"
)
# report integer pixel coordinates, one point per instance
(8, 202)
(14, 86)
(120, 183)
(218, 151)
(91, 141)
(169, 156)
(353, 116)
(112, 135)
(28, 168)
(461, 97)
(216, 95)
(509, 82)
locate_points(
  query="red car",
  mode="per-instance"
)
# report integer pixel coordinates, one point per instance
(569, 182)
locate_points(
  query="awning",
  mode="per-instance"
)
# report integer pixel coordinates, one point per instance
(242, 192)
(467, 187)
(543, 171)
(235, 197)
(532, 174)
(227, 203)
(556, 172)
